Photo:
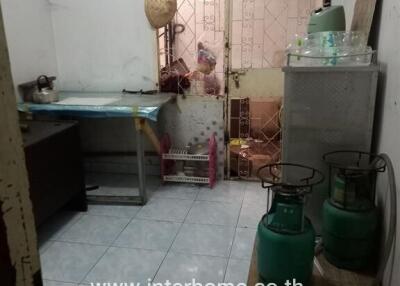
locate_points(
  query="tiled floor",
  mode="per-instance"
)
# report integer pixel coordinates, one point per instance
(184, 232)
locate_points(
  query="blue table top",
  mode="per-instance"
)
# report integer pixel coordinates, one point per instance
(102, 104)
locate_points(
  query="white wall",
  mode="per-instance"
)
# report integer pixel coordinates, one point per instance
(89, 44)
(389, 116)
(104, 45)
(30, 39)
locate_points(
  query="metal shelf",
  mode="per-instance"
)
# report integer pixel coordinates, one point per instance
(181, 154)
(186, 179)
(170, 155)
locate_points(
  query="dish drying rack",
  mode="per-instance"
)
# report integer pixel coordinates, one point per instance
(170, 155)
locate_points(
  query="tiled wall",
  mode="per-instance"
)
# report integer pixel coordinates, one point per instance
(190, 120)
(193, 120)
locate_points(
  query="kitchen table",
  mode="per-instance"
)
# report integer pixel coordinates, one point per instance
(142, 108)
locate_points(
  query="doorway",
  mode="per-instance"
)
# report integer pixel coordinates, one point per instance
(258, 33)
(248, 39)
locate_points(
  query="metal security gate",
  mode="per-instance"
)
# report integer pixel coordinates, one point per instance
(196, 21)
(258, 34)
(248, 38)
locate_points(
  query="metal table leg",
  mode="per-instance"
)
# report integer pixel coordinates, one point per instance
(142, 128)
(140, 161)
(141, 199)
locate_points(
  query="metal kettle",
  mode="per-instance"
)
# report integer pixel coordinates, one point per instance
(45, 92)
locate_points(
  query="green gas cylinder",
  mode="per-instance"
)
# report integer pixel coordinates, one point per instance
(349, 237)
(285, 237)
(350, 217)
(282, 257)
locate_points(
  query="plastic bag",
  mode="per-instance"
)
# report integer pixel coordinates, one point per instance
(206, 59)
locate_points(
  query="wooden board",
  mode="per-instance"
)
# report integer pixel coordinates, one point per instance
(324, 274)
(17, 229)
(363, 15)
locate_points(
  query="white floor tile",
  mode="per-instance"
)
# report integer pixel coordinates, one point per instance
(126, 265)
(44, 245)
(95, 230)
(113, 184)
(148, 234)
(114, 210)
(255, 194)
(214, 213)
(251, 214)
(177, 191)
(243, 243)
(69, 262)
(237, 271)
(204, 240)
(58, 224)
(183, 268)
(224, 191)
(56, 283)
(165, 209)
(200, 247)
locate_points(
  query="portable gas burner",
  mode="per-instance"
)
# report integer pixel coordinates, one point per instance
(285, 236)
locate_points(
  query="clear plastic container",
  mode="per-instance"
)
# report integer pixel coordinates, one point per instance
(330, 49)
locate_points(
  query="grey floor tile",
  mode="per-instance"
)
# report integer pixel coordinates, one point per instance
(119, 180)
(224, 191)
(95, 229)
(251, 214)
(44, 245)
(57, 225)
(214, 213)
(114, 210)
(183, 268)
(251, 186)
(69, 262)
(148, 234)
(113, 184)
(56, 283)
(243, 243)
(255, 194)
(115, 191)
(126, 265)
(204, 240)
(165, 209)
(177, 191)
(237, 271)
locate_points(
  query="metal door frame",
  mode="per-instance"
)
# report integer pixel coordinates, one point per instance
(227, 70)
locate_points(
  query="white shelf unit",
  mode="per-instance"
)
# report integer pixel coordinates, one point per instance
(180, 154)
